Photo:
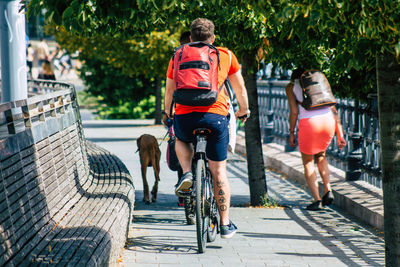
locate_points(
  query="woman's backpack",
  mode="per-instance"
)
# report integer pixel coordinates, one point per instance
(316, 90)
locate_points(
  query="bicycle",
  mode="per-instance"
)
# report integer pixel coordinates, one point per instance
(202, 194)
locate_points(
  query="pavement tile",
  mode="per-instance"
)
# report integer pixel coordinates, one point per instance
(285, 236)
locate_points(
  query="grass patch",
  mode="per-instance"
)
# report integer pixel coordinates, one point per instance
(87, 101)
(268, 202)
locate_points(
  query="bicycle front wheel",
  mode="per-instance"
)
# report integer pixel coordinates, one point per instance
(189, 210)
(201, 198)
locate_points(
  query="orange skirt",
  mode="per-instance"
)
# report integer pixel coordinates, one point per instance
(315, 134)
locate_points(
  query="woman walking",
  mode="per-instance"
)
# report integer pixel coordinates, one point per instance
(316, 129)
(46, 73)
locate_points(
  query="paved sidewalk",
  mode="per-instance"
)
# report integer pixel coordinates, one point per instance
(289, 236)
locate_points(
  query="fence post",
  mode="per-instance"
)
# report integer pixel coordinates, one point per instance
(268, 130)
(376, 163)
(354, 159)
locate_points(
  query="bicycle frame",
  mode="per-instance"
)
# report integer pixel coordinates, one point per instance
(206, 210)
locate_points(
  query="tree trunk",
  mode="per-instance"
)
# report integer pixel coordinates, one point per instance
(158, 115)
(255, 160)
(388, 79)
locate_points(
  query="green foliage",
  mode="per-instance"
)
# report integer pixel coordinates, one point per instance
(104, 80)
(144, 109)
(341, 38)
(135, 20)
(117, 93)
(135, 39)
(147, 55)
(86, 100)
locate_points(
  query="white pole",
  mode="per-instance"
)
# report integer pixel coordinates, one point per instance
(13, 52)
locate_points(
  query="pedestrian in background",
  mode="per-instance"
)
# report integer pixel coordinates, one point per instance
(65, 62)
(55, 57)
(316, 129)
(42, 52)
(30, 57)
(46, 73)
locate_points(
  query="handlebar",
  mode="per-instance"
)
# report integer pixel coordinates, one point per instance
(169, 122)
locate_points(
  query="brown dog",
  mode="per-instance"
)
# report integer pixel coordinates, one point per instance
(149, 156)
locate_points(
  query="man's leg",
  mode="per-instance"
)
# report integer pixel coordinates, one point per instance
(222, 189)
(184, 152)
(222, 194)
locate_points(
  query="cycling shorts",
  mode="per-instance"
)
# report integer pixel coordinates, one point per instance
(217, 141)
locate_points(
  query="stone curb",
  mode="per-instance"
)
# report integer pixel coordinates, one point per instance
(358, 198)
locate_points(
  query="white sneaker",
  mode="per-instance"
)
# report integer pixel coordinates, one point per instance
(185, 183)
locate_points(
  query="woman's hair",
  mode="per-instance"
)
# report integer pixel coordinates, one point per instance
(296, 74)
(202, 29)
(46, 66)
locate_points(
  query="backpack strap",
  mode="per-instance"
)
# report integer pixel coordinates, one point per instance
(227, 83)
(229, 89)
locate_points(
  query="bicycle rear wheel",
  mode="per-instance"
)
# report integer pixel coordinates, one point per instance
(213, 221)
(212, 210)
(201, 197)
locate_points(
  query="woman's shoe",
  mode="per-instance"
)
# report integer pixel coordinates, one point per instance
(317, 205)
(327, 199)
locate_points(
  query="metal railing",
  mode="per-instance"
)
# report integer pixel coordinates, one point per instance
(360, 159)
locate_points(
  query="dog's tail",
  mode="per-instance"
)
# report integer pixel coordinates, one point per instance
(138, 144)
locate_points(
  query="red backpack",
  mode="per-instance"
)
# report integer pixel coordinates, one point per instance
(195, 73)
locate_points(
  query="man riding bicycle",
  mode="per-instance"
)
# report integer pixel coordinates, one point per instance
(214, 118)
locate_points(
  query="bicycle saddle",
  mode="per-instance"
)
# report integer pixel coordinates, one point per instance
(202, 131)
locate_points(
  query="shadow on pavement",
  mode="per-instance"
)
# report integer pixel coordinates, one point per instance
(321, 227)
(351, 237)
(166, 245)
(149, 218)
(104, 140)
(113, 125)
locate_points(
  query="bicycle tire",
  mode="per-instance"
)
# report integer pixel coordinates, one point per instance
(214, 222)
(201, 216)
(190, 210)
(213, 211)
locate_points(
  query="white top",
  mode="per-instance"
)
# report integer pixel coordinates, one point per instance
(30, 55)
(303, 113)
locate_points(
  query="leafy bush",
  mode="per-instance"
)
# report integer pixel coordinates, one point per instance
(86, 100)
(115, 94)
(144, 109)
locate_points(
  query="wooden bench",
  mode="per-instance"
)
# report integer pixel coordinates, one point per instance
(63, 200)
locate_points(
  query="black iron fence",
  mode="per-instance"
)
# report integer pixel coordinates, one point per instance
(360, 159)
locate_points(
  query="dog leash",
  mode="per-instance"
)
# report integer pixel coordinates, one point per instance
(165, 136)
